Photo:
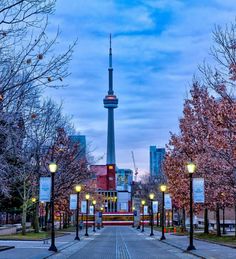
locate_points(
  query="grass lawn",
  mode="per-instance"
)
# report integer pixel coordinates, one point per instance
(69, 229)
(179, 230)
(228, 240)
(29, 236)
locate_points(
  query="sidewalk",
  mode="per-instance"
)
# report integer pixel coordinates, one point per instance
(39, 249)
(204, 249)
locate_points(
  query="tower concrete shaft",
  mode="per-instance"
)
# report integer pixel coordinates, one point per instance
(110, 102)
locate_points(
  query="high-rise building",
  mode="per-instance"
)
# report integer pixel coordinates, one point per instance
(80, 141)
(124, 179)
(156, 161)
(110, 102)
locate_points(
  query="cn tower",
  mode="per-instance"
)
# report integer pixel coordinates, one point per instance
(110, 102)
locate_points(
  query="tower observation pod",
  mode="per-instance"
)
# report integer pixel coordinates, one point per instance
(110, 102)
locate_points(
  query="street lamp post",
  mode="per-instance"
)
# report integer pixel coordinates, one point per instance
(151, 197)
(191, 169)
(163, 188)
(101, 216)
(115, 203)
(78, 190)
(52, 169)
(143, 203)
(133, 209)
(87, 196)
(33, 199)
(94, 217)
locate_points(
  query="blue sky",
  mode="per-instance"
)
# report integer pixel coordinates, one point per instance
(157, 47)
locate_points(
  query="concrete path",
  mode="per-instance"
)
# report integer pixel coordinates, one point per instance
(37, 249)
(203, 249)
(124, 243)
(117, 243)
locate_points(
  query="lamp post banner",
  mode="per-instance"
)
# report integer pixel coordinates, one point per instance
(45, 189)
(155, 206)
(168, 203)
(73, 201)
(91, 210)
(198, 190)
(145, 210)
(83, 207)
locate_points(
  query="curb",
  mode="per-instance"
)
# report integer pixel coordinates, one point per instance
(4, 248)
(213, 242)
(41, 239)
(180, 248)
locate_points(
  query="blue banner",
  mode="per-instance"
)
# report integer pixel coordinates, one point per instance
(168, 203)
(145, 208)
(45, 189)
(198, 190)
(155, 206)
(83, 207)
(73, 201)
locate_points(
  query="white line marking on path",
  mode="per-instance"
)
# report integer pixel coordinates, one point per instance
(149, 238)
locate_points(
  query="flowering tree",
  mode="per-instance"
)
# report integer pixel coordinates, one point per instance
(201, 140)
(72, 168)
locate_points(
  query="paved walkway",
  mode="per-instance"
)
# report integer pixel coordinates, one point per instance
(203, 249)
(38, 249)
(117, 243)
(122, 243)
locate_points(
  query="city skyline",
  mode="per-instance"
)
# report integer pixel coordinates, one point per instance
(154, 60)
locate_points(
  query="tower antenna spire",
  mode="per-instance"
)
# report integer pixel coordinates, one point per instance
(110, 54)
(110, 40)
(110, 102)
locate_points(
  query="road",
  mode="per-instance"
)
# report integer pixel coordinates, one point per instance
(127, 243)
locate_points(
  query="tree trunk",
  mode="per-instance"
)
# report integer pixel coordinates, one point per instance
(168, 218)
(7, 214)
(235, 220)
(24, 210)
(68, 220)
(23, 220)
(206, 221)
(36, 218)
(218, 232)
(223, 210)
(46, 216)
(183, 220)
(60, 221)
(172, 217)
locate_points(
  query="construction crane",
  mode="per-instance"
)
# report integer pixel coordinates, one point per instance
(135, 168)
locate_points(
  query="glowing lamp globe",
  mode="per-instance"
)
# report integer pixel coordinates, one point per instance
(78, 188)
(191, 168)
(163, 188)
(53, 167)
(151, 196)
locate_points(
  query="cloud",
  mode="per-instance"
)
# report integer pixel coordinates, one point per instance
(157, 47)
